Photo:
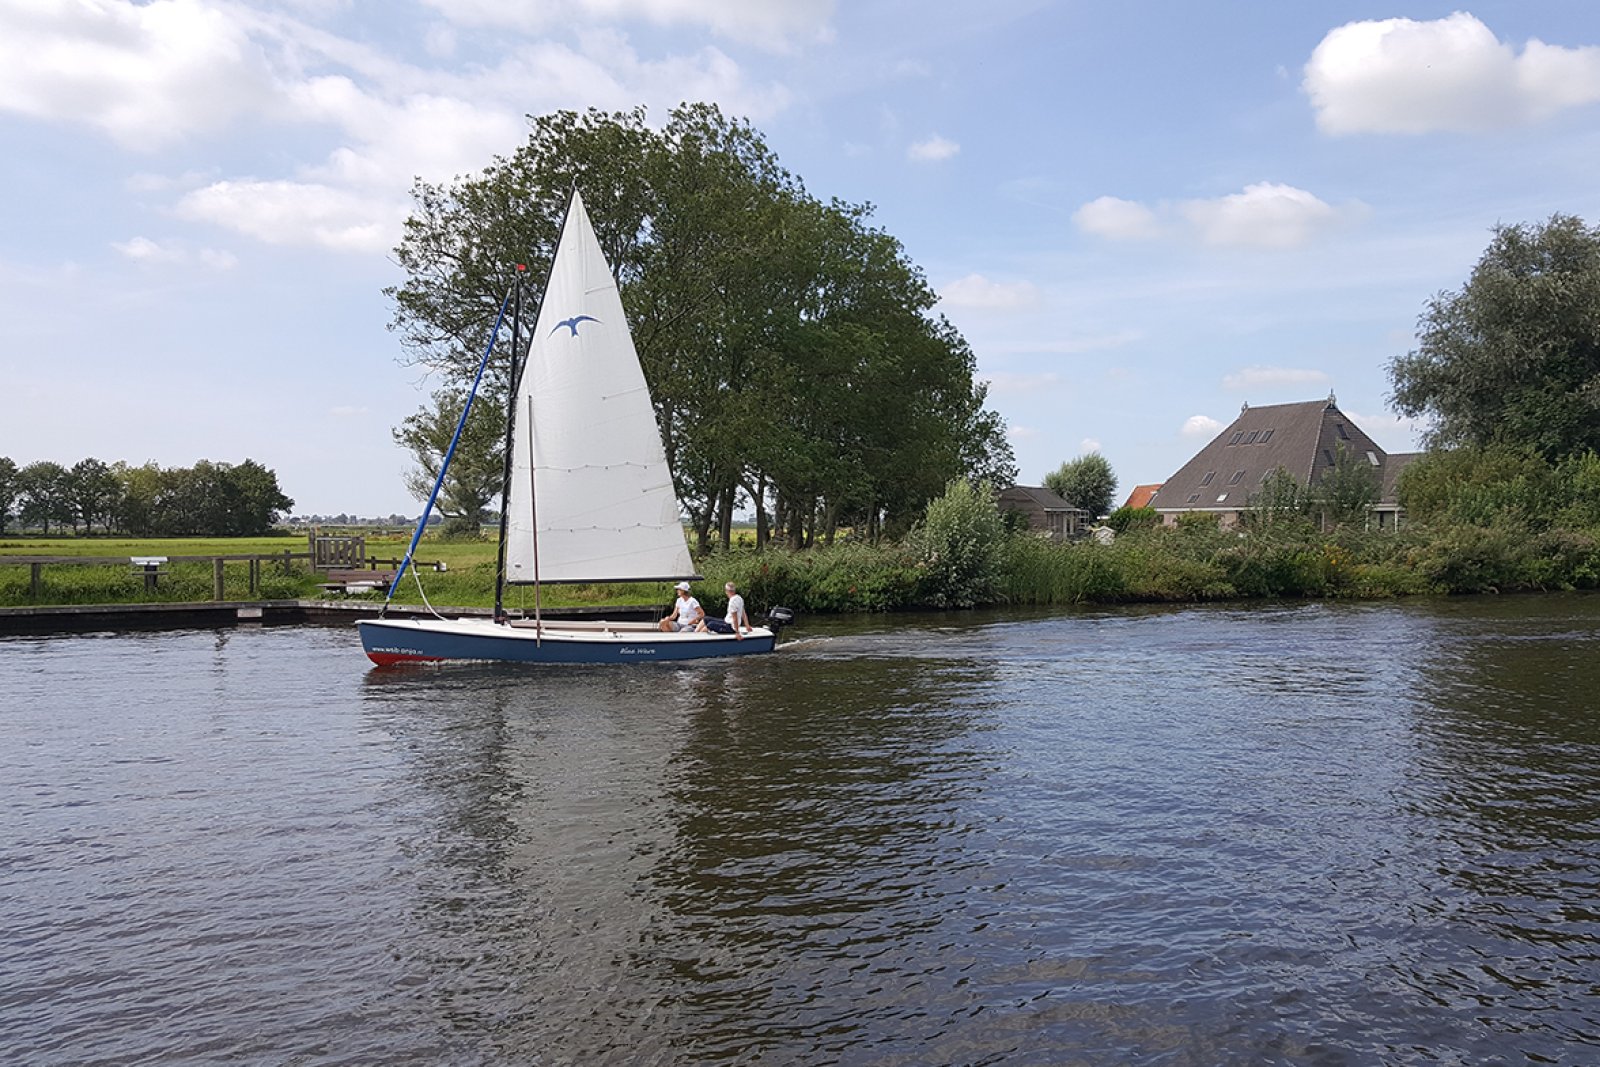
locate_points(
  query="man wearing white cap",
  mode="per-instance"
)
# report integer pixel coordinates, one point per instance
(686, 613)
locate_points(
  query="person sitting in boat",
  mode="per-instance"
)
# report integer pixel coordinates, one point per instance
(736, 621)
(686, 613)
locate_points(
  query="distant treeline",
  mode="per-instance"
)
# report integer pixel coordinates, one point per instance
(206, 500)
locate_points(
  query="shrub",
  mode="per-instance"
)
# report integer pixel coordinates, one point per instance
(958, 546)
(1125, 519)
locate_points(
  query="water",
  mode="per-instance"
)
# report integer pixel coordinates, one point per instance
(1300, 835)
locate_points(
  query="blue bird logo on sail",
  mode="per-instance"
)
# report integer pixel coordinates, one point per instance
(572, 323)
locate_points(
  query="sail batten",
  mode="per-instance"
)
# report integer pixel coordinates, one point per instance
(606, 509)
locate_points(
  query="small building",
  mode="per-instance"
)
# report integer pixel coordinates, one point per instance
(1304, 439)
(1047, 514)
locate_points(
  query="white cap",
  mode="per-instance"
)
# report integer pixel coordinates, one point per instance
(684, 586)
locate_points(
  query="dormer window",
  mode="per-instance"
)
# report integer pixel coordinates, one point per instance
(1207, 479)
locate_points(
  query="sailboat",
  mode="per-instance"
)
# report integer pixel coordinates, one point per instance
(588, 497)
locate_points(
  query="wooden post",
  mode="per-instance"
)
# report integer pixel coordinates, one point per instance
(34, 579)
(216, 578)
(255, 575)
(286, 563)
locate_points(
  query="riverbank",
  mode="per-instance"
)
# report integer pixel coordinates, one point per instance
(1193, 562)
(98, 618)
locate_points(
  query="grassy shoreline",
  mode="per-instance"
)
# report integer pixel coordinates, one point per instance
(1190, 564)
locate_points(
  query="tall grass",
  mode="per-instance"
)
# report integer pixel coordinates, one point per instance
(1194, 562)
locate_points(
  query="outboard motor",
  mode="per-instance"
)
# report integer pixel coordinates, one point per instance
(779, 617)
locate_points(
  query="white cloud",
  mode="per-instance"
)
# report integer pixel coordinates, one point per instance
(1118, 219)
(146, 75)
(1201, 426)
(144, 250)
(1021, 433)
(148, 253)
(775, 24)
(976, 291)
(1402, 76)
(1088, 444)
(1265, 215)
(1259, 377)
(285, 212)
(151, 74)
(935, 149)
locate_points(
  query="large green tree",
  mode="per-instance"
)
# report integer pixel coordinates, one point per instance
(791, 348)
(1513, 357)
(94, 490)
(8, 490)
(1086, 482)
(44, 495)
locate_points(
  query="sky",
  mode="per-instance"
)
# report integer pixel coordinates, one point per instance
(1141, 215)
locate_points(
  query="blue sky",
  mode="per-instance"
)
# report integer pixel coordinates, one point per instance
(1141, 215)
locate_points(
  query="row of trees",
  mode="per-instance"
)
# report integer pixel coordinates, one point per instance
(207, 500)
(791, 347)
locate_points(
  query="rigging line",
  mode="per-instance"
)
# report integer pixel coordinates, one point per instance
(466, 409)
(417, 574)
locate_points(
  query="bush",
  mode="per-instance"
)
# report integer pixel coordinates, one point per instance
(958, 546)
(845, 577)
(1125, 519)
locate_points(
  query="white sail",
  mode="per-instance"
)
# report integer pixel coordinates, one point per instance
(589, 475)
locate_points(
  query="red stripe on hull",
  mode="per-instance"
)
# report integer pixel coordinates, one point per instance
(392, 659)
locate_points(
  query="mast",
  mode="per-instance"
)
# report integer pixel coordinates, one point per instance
(515, 380)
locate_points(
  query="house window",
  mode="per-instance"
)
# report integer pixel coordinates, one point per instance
(1236, 476)
(1328, 455)
(1372, 458)
(1266, 435)
(1221, 497)
(1250, 438)
(1207, 479)
(1264, 476)
(1338, 428)
(1237, 438)
(1193, 497)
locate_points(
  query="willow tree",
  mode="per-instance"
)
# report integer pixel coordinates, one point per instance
(1512, 358)
(790, 347)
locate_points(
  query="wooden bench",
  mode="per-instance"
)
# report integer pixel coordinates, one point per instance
(356, 581)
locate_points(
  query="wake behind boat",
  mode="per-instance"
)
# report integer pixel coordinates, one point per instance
(588, 496)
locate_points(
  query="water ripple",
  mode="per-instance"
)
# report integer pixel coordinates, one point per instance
(1301, 834)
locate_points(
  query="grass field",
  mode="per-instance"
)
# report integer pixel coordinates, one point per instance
(467, 581)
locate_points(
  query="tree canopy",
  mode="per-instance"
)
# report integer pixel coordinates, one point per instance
(1513, 357)
(209, 499)
(1086, 482)
(791, 348)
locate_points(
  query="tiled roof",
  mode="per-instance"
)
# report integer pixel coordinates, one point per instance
(1141, 495)
(1301, 438)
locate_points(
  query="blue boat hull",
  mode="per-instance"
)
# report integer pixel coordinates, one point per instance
(388, 642)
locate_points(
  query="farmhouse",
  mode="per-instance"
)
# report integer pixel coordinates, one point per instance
(1304, 439)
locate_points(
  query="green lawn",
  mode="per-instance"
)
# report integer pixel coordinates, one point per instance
(467, 581)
